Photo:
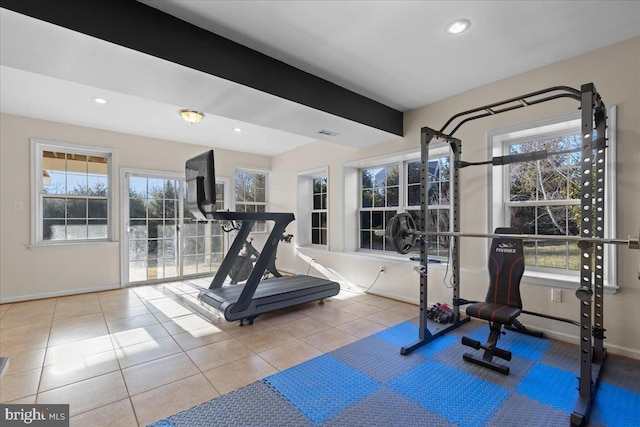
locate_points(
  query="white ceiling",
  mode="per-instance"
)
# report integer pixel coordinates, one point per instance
(395, 52)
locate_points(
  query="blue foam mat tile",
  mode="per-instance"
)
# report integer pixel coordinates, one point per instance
(521, 345)
(518, 366)
(254, 405)
(550, 385)
(437, 387)
(401, 334)
(437, 345)
(518, 410)
(616, 407)
(322, 387)
(382, 360)
(385, 408)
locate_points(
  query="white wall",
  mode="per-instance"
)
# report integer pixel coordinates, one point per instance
(48, 271)
(614, 70)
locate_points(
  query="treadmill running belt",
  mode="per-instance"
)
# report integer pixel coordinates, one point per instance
(271, 294)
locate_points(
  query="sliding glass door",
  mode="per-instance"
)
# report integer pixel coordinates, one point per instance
(161, 241)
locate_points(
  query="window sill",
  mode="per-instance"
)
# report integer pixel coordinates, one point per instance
(74, 243)
(559, 281)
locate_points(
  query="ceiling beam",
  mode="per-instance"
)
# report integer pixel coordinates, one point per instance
(142, 28)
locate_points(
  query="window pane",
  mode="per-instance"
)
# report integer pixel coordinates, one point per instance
(97, 229)
(53, 207)
(413, 173)
(323, 236)
(444, 193)
(393, 196)
(97, 208)
(552, 220)
(170, 209)
(138, 186)
(324, 201)
(138, 229)
(323, 219)
(137, 208)
(367, 178)
(315, 220)
(524, 218)
(444, 168)
(77, 229)
(76, 208)
(377, 242)
(433, 197)
(377, 220)
(551, 254)
(365, 220)
(53, 229)
(392, 175)
(379, 198)
(317, 202)
(77, 184)
(413, 195)
(365, 240)
(367, 198)
(434, 170)
(315, 236)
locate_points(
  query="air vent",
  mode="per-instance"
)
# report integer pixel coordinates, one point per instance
(328, 132)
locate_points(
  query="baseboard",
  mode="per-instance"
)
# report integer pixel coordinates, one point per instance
(58, 294)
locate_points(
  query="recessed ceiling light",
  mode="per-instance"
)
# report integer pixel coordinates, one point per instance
(458, 26)
(237, 130)
(99, 100)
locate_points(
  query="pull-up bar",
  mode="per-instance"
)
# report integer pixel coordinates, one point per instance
(517, 102)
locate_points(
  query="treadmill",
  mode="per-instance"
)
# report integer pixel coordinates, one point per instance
(247, 301)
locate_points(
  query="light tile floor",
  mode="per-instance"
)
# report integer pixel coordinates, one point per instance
(131, 356)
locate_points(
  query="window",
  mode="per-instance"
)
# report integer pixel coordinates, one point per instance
(251, 194)
(203, 242)
(392, 188)
(72, 188)
(543, 197)
(319, 211)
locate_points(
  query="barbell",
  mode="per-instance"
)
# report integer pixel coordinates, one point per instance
(401, 234)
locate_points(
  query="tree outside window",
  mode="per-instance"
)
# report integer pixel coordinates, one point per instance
(544, 198)
(251, 195)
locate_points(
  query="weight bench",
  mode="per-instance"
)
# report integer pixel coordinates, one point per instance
(502, 304)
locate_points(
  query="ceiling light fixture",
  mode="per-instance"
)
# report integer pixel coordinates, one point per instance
(191, 116)
(237, 130)
(99, 100)
(458, 26)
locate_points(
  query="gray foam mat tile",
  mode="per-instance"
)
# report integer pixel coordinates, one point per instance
(386, 408)
(518, 366)
(382, 360)
(520, 410)
(256, 404)
(562, 356)
(622, 372)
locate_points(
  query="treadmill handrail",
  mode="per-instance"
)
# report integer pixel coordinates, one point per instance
(281, 221)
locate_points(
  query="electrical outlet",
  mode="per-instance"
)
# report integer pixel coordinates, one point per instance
(556, 295)
(383, 268)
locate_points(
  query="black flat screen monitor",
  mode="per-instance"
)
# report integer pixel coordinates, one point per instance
(201, 186)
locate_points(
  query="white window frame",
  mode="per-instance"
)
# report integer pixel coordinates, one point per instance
(38, 146)
(260, 227)
(305, 207)
(497, 141)
(352, 183)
